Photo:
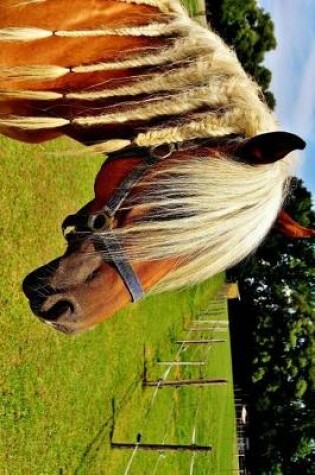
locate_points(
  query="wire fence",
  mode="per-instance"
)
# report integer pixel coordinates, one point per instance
(192, 362)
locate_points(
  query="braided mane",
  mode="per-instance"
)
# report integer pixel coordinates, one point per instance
(186, 85)
(172, 80)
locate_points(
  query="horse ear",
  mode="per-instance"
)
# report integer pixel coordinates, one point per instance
(290, 228)
(268, 148)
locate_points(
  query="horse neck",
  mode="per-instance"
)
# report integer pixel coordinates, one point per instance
(61, 53)
(130, 72)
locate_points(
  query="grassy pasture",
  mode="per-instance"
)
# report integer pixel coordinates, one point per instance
(62, 397)
(57, 393)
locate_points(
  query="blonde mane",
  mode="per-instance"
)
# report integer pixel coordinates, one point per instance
(209, 214)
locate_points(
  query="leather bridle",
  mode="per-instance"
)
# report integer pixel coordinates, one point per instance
(93, 225)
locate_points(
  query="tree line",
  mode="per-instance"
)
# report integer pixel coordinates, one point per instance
(273, 327)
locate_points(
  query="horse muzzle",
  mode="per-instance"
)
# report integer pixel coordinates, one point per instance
(51, 305)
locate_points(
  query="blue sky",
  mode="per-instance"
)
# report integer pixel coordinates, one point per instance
(293, 74)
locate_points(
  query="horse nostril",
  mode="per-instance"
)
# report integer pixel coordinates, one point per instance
(37, 282)
(58, 309)
(28, 286)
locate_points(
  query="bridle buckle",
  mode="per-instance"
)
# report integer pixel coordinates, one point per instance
(162, 151)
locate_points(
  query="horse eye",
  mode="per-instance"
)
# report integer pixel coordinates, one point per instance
(93, 274)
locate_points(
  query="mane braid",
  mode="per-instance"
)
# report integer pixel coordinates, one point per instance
(170, 80)
(183, 49)
(151, 30)
(33, 72)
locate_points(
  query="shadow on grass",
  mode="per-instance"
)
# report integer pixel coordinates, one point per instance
(107, 428)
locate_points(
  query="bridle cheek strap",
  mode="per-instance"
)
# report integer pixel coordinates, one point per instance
(112, 251)
(110, 247)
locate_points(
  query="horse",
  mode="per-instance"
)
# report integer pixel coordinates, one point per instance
(197, 170)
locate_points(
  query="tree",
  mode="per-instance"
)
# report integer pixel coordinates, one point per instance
(277, 285)
(249, 30)
(278, 290)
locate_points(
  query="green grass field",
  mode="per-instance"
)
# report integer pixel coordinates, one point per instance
(58, 393)
(62, 398)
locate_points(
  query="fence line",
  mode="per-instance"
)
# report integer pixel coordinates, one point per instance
(161, 454)
(200, 342)
(166, 373)
(213, 308)
(185, 382)
(164, 447)
(212, 329)
(180, 363)
(214, 322)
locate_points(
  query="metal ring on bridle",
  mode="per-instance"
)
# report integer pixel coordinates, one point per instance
(162, 151)
(99, 222)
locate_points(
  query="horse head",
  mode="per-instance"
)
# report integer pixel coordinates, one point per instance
(118, 244)
(131, 78)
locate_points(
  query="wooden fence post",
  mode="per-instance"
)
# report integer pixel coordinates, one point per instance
(200, 342)
(161, 447)
(180, 363)
(184, 382)
(214, 322)
(209, 329)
